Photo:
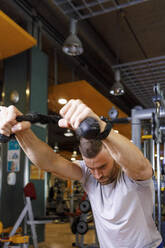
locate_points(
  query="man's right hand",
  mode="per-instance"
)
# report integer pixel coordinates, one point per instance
(8, 122)
(74, 112)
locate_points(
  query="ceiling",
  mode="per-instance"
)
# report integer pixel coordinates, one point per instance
(132, 36)
(124, 34)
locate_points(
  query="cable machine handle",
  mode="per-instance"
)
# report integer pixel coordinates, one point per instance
(88, 128)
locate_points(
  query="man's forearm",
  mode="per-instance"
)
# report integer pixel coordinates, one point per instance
(37, 151)
(44, 157)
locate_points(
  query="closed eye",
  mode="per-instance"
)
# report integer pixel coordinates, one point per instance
(99, 168)
(103, 166)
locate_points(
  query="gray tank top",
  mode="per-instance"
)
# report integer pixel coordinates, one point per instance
(122, 211)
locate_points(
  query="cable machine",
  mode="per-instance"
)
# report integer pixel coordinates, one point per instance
(155, 116)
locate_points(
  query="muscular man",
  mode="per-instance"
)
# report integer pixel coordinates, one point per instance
(114, 173)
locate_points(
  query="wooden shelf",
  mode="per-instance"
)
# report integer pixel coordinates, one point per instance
(14, 39)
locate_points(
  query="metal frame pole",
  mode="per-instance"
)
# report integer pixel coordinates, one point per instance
(152, 148)
(137, 116)
(158, 186)
(136, 129)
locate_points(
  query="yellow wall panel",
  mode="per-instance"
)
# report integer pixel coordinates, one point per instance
(14, 39)
(90, 96)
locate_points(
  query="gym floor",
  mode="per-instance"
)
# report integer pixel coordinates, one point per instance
(60, 236)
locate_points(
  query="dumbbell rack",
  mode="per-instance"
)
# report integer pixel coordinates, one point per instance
(83, 227)
(80, 240)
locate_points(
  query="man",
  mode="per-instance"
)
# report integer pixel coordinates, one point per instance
(114, 173)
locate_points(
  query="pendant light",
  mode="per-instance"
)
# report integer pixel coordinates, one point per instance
(72, 45)
(117, 88)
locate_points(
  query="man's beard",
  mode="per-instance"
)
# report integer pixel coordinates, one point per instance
(106, 180)
(112, 177)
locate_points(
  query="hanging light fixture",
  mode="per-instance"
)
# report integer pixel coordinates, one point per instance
(68, 133)
(117, 88)
(72, 45)
(62, 101)
(56, 147)
(74, 156)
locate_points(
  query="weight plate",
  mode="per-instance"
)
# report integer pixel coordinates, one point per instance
(85, 206)
(82, 227)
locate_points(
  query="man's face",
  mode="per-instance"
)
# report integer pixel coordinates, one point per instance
(102, 167)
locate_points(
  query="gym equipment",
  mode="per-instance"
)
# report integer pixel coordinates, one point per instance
(74, 224)
(113, 113)
(155, 114)
(82, 227)
(157, 136)
(85, 206)
(58, 201)
(82, 223)
(89, 128)
(15, 239)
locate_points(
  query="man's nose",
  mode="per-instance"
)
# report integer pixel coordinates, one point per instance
(97, 174)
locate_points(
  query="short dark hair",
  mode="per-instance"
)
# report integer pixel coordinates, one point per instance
(90, 148)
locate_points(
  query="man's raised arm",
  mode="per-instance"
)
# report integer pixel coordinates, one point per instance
(36, 150)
